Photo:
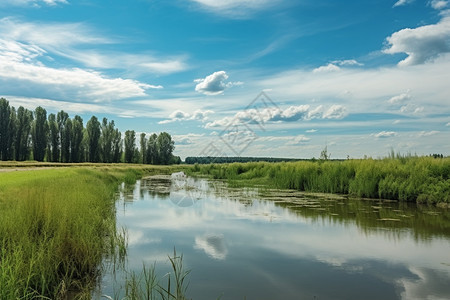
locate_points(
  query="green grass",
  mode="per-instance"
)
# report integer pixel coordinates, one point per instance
(146, 284)
(57, 226)
(411, 179)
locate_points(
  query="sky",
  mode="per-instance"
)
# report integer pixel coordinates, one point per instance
(267, 78)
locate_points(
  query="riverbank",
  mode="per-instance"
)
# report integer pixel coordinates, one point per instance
(57, 225)
(410, 179)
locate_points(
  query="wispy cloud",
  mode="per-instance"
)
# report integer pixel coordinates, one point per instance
(428, 133)
(402, 2)
(399, 99)
(33, 3)
(179, 115)
(326, 69)
(78, 42)
(439, 4)
(19, 67)
(385, 134)
(235, 8)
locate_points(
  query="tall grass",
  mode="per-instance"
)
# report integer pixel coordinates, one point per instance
(412, 179)
(146, 284)
(56, 228)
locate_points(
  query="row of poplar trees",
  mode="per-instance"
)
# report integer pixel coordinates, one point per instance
(26, 135)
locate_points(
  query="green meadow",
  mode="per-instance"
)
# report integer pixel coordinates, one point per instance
(409, 179)
(57, 226)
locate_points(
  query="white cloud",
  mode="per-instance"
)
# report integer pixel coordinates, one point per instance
(277, 115)
(428, 133)
(328, 68)
(385, 134)
(65, 39)
(439, 4)
(411, 108)
(347, 62)
(50, 35)
(402, 2)
(25, 49)
(236, 8)
(74, 107)
(298, 140)
(214, 84)
(421, 44)
(213, 245)
(35, 3)
(335, 112)
(399, 99)
(179, 115)
(77, 83)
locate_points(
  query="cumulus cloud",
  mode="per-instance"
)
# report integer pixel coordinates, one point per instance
(421, 44)
(179, 115)
(214, 84)
(439, 4)
(402, 2)
(385, 134)
(277, 115)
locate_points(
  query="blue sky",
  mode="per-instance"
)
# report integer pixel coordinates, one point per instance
(240, 77)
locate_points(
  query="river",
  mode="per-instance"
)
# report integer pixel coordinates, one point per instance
(257, 243)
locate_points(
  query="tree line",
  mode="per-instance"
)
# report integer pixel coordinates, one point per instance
(31, 135)
(225, 159)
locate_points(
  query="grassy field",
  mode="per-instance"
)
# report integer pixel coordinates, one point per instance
(57, 225)
(412, 179)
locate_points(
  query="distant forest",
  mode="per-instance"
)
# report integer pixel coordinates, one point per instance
(31, 135)
(225, 159)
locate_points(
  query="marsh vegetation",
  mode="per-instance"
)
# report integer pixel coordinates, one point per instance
(409, 179)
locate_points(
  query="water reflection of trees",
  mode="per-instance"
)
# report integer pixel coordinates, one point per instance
(394, 220)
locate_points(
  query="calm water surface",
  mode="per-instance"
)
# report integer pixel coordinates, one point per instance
(246, 243)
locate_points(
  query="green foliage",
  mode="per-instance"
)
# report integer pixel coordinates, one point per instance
(412, 179)
(39, 133)
(130, 145)
(93, 134)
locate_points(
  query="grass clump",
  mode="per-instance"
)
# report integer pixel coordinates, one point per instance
(146, 284)
(56, 227)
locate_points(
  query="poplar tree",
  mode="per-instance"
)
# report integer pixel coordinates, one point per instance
(39, 133)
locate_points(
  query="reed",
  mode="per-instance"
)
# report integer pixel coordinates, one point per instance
(411, 179)
(57, 226)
